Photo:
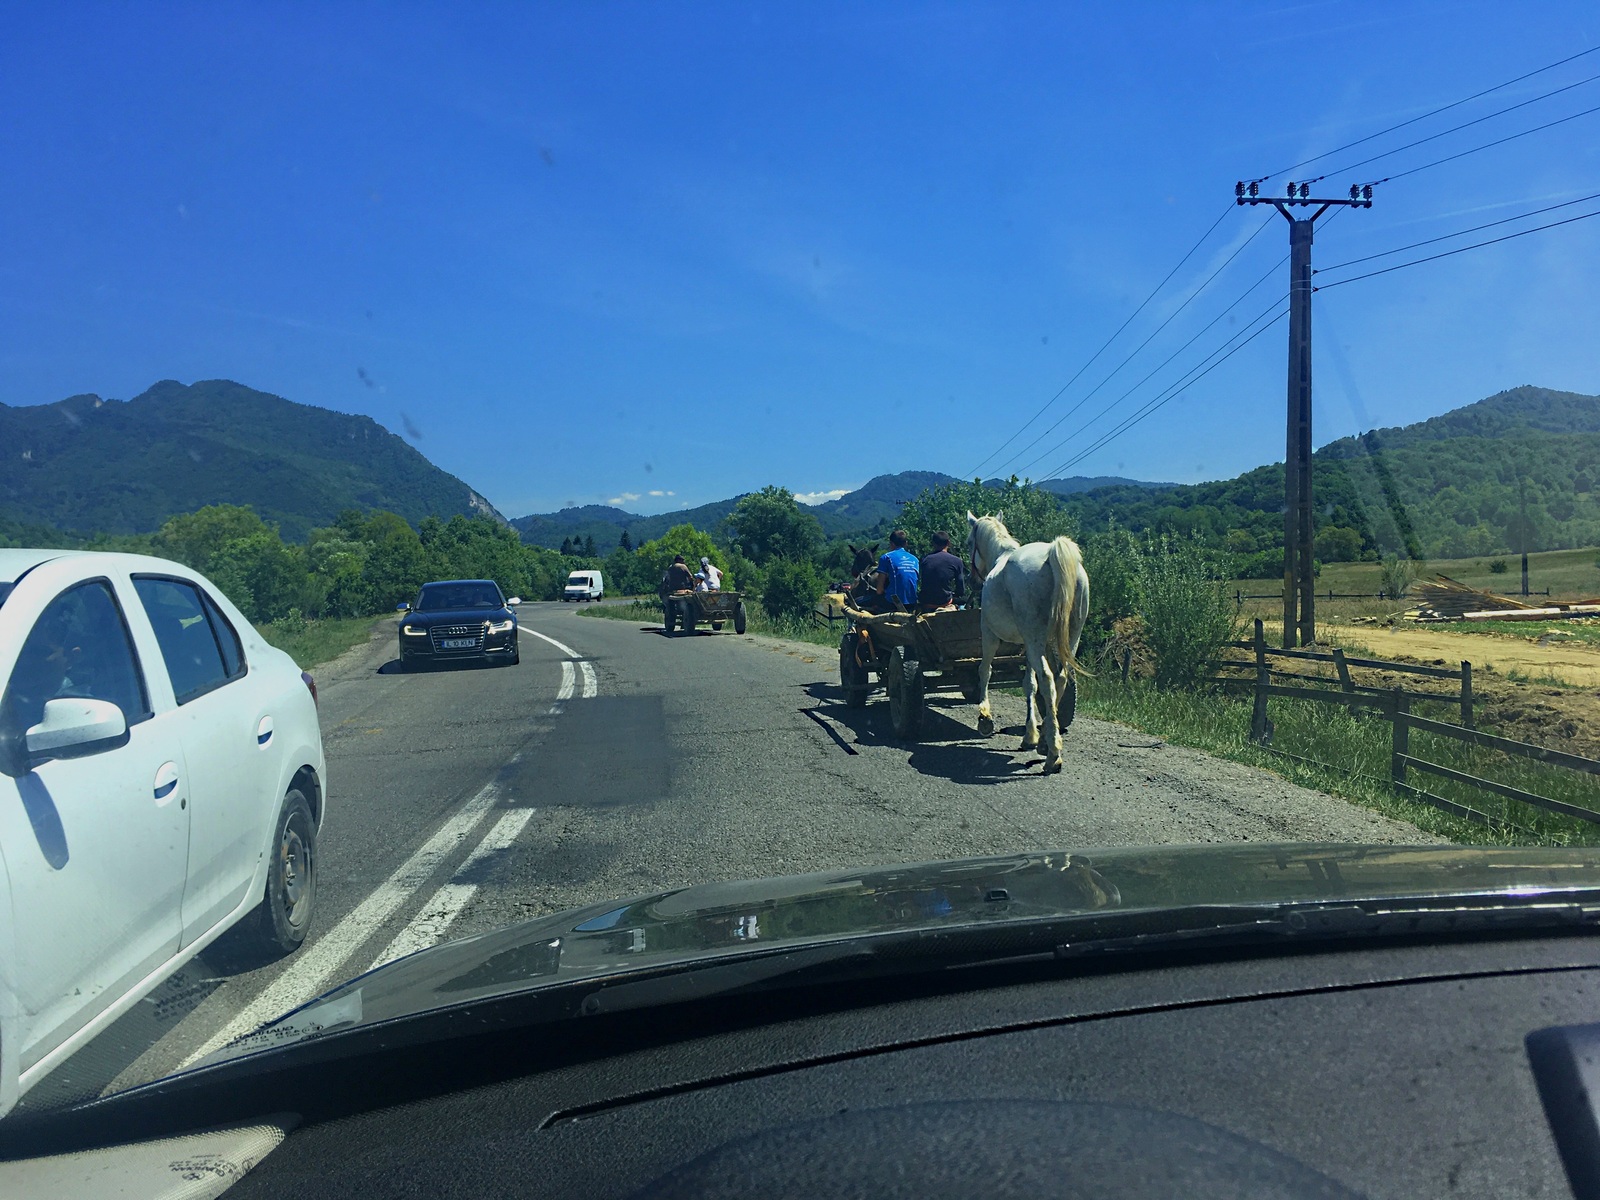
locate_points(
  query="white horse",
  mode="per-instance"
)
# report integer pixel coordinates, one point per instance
(1035, 596)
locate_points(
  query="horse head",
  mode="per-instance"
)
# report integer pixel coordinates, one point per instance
(987, 539)
(865, 558)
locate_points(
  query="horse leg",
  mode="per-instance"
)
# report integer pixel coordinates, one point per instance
(1066, 685)
(1040, 664)
(1030, 732)
(985, 716)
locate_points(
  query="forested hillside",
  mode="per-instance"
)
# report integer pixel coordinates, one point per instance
(118, 466)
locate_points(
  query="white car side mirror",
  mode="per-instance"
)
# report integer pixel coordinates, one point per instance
(73, 728)
(514, 601)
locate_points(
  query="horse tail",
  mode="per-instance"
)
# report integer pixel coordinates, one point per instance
(1066, 565)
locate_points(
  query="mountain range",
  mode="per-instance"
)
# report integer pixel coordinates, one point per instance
(871, 507)
(1519, 466)
(125, 466)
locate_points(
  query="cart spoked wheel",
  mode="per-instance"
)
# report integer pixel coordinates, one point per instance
(739, 618)
(852, 674)
(906, 688)
(1067, 704)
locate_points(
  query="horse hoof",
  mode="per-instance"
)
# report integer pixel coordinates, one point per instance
(985, 726)
(1052, 768)
(1028, 743)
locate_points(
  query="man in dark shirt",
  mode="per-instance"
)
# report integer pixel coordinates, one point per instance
(943, 577)
(677, 578)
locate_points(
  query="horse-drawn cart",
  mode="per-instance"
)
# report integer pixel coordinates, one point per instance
(914, 654)
(685, 610)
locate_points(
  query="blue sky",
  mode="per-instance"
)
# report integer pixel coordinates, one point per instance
(662, 254)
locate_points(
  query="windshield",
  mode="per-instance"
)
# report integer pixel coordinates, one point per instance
(442, 597)
(809, 374)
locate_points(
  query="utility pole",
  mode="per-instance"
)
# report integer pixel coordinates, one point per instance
(1299, 587)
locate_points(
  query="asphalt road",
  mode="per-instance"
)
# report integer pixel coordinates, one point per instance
(615, 760)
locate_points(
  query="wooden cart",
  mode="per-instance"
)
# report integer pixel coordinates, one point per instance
(685, 610)
(914, 654)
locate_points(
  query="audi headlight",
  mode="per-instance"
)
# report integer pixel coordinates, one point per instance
(414, 630)
(502, 626)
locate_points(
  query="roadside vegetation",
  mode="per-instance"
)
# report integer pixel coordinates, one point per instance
(314, 642)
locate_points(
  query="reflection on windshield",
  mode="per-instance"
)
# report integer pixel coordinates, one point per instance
(445, 599)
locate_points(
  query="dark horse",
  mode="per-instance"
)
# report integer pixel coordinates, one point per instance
(866, 557)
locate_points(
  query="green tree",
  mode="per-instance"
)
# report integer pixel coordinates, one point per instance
(625, 542)
(791, 590)
(1029, 512)
(588, 546)
(194, 538)
(1336, 543)
(770, 524)
(566, 546)
(686, 540)
(265, 578)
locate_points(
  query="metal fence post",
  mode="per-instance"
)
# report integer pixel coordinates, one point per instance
(1466, 693)
(1258, 711)
(1400, 709)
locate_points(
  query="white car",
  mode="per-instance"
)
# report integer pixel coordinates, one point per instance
(161, 779)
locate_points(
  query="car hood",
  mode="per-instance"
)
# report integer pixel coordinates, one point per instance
(455, 616)
(717, 921)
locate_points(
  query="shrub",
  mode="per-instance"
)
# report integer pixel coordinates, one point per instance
(1398, 575)
(1188, 614)
(791, 590)
(1498, 566)
(1111, 560)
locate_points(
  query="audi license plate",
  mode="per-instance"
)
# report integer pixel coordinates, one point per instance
(458, 643)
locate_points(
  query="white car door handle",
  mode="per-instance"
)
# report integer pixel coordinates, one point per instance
(166, 784)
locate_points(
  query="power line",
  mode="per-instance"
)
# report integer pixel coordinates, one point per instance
(1194, 295)
(1459, 250)
(1444, 237)
(1433, 137)
(1130, 422)
(1433, 113)
(1486, 146)
(1106, 345)
(1162, 365)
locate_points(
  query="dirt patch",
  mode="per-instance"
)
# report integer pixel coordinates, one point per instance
(1561, 718)
(1571, 662)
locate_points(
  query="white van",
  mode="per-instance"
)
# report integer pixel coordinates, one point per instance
(584, 585)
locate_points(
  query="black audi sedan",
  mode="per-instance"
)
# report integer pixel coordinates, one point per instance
(459, 619)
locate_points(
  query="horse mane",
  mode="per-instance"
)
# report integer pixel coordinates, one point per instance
(994, 537)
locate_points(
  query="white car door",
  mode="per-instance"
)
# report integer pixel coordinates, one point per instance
(229, 744)
(95, 847)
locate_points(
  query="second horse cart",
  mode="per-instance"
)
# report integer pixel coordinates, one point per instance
(686, 610)
(915, 654)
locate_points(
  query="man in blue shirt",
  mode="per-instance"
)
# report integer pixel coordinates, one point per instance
(897, 576)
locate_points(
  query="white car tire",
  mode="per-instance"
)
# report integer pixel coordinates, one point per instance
(291, 892)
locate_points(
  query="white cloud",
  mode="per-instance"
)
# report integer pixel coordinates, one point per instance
(659, 492)
(823, 496)
(625, 498)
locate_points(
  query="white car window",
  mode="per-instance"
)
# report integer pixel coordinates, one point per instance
(78, 647)
(188, 642)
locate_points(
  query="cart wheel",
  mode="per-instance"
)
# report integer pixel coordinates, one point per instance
(1067, 704)
(690, 616)
(716, 627)
(738, 618)
(905, 694)
(851, 673)
(669, 615)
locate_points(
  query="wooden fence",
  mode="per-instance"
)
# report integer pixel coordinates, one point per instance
(1394, 706)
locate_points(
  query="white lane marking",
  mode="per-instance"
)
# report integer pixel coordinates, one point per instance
(591, 685)
(444, 906)
(567, 679)
(561, 646)
(309, 973)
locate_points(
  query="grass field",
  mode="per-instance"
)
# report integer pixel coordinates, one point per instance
(1568, 574)
(311, 643)
(1319, 735)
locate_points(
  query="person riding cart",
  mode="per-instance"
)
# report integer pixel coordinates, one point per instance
(677, 578)
(894, 583)
(942, 577)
